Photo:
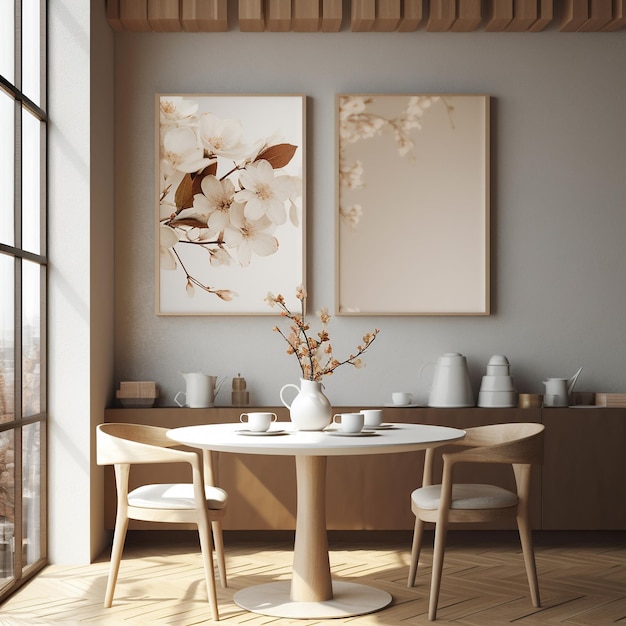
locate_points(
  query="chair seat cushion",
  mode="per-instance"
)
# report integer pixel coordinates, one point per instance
(466, 497)
(175, 496)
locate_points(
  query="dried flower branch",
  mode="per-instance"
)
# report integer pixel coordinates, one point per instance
(314, 352)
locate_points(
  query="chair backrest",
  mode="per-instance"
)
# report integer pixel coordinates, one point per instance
(137, 443)
(504, 443)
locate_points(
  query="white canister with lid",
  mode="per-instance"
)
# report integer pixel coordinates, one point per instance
(451, 386)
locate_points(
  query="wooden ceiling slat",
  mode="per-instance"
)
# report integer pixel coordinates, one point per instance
(442, 15)
(388, 13)
(113, 14)
(525, 14)
(469, 16)
(331, 16)
(363, 15)
(278, 15)
(600, 14)
(164, 15)
(206, 16)
(619, 17)
(500, 15)
(306, 16)
(412, 14)
(134, 15)
(546, 15)
(576, 13)
(251, 16)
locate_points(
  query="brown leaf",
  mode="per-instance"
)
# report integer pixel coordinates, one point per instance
(184, 193)
(278, 155)
(189, 221)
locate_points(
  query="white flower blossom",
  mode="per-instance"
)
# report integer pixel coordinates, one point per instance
(167, 240)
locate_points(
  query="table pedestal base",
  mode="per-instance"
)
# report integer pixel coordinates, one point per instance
(348, 599)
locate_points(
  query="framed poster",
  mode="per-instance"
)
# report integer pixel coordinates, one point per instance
(230, 198)
(413, 204)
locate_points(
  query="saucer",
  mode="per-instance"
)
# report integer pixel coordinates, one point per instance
(402, 406)
(361, 433)
(262, 433)
(383, 426)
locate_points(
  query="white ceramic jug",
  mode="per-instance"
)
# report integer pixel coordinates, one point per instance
(200, 390)
(558, 390)
(451, 383)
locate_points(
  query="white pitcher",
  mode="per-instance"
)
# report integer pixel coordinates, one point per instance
(200, 391)
(558, 390)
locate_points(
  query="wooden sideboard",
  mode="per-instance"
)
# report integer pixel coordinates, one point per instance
(579, 486)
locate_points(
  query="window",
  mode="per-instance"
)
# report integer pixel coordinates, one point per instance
(23, 263)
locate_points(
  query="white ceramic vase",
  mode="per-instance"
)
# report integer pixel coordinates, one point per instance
(310, 409)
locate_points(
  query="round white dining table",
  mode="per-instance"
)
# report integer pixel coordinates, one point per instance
(311, 593)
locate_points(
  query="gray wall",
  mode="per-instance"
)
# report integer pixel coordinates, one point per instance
(558, 205)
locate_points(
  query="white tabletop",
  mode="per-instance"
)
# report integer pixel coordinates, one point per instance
(398, 438)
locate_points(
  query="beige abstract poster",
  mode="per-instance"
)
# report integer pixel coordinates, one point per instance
(413, 204)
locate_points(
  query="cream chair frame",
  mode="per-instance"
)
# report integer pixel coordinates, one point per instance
(517, 444)
(123, 445)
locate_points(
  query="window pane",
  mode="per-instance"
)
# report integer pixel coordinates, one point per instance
(31, 492)
(7, 505)
(31, 335)
(31, 182)
(31, 49)
(7, 346)
(7, 41)
(7, 171)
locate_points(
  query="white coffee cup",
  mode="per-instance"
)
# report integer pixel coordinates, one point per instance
(372, 417)
(349, 422)
(401, 398)
(258, 422)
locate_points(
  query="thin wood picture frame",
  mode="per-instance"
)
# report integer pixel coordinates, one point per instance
(413, 206)
(230, 196)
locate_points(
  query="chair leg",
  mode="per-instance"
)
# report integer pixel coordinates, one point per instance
(438, 553)
(218, 540)
(207, 560)
(119, 536)
(418, 533)
(526, 540)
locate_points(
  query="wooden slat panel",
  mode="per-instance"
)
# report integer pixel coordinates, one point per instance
(164, 15)
(619, 16)
(251, 16)
(412, 14)
(388, 13)
(546, 14)
(113, 14)
(204, 15)
(576, 13)
(525, 14)
(279, 15)
(134, 15)
(363, 15)
(469, 16)
(442, 15)
(600, 14)
(306, 16)
(500, 15)
(332, 13)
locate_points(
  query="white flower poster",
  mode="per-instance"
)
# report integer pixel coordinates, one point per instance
(230, 197)
(413, 204)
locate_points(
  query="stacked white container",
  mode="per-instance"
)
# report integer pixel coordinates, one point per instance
(496, 389)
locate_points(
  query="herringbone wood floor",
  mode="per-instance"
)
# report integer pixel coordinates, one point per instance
(582, 579)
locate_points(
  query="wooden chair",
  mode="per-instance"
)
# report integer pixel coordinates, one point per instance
(198, 502)
(520, 445)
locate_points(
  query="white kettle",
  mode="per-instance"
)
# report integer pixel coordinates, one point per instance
(451, 386)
